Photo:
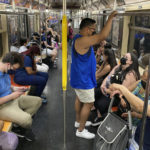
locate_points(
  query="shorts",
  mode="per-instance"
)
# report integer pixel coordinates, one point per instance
(85, 96)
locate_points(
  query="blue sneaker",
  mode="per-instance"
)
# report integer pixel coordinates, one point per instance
(44, 101)
(43, 96)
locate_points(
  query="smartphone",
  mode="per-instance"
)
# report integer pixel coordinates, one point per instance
(24, 90)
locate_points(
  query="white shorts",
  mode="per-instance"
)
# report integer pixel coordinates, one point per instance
(85, 96)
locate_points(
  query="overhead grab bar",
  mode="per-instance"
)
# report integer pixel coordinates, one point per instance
(131, 13)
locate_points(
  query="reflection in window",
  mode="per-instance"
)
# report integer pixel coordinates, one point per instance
(142, 47)
(142, 21)
(13, 29)
(23, 26)
(31, 25)
(139, 41)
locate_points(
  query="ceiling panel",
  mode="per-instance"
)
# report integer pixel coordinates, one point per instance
(71, 4)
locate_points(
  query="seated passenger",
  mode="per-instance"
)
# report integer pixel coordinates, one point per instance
(14, 106)
(8, 140)
(35, 40)
(126, 73)
(138, 105)
(49, 50)
(99, 52)
(14, 47)
(138, 89)
(29, 74)
(109, 62)
(23, 44)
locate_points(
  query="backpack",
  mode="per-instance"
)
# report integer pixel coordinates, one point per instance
(113, 133)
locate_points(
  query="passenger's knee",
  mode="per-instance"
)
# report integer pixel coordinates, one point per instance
(46, 76)
(43, 80)
(90, 105)
(26, 121)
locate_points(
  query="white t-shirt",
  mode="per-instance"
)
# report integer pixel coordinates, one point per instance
(22, 49)
(14, 48)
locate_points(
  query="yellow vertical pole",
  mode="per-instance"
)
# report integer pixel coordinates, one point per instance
(64, 52)
(64, 65)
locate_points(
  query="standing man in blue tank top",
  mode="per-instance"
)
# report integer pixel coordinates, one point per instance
(83, 69)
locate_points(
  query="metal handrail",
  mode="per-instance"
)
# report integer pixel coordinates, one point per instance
(131, 13)
(18, 13)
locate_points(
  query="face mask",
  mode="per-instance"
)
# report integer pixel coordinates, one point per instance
(123, 61)
(143, 83)
(9, 69)
(94, 33)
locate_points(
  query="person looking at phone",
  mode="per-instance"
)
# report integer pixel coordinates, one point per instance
(28, 75)
(14, 106)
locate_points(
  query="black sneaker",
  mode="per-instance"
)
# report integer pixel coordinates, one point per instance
(19, 131)
(29, 135)
(97, 121)
(24, 133)
(93, 115)
(43, 96)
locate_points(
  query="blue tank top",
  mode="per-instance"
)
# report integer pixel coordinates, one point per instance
(83, 68)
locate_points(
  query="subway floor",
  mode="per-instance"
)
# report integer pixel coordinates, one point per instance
(48, 122)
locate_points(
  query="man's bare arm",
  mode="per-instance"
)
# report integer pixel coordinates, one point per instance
(82, 44)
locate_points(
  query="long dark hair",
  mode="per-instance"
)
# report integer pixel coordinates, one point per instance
(134, 67)
(111, 57)
(34, 50)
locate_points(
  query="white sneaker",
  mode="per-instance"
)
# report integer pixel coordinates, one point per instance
(85, 134)
(87, 124)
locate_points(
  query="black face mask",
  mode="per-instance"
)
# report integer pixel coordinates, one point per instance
(143, 83)
(123, 61)
(94, 33)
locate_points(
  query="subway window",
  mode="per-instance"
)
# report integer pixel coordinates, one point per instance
(139, 38)
(115, 36)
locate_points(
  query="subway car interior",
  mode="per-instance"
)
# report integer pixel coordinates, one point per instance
(75, 53)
